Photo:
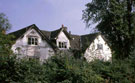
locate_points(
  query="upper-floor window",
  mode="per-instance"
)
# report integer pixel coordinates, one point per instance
(32, 41)
(100, 46)
(62, 44)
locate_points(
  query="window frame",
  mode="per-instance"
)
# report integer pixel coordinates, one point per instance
(32, 40)
(62, 44)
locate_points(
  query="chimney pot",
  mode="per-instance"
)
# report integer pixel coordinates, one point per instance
(64, 28)
(62, 25)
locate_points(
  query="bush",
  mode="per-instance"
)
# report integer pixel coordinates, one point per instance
(63, 68)
(119, 71)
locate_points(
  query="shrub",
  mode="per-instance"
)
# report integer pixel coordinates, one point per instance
(64, 68)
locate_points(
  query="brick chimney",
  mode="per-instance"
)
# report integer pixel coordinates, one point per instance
(64, 28)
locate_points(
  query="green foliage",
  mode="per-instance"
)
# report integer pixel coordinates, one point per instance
(4, 22)
(13, 70)
(68, 69)
(119, 71)
(63, 68)
(5, 44)
(5, 40)
(115, 21)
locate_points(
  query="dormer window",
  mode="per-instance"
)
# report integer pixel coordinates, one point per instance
(32, 41)
(62, 44)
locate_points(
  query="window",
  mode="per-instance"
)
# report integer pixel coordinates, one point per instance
(65, 44)
(32, 41)
(100, 46)
(62, 44)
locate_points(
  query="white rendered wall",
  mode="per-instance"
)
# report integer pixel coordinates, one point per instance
(42, 50)
(62, 38)
(92, 52)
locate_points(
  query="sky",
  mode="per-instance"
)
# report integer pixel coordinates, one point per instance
(46, 14)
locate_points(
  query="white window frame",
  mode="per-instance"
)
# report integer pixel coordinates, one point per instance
(32, 40)
(62, 45)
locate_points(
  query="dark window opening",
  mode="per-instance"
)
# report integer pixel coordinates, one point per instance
(62, 44)
(100, 46)
(32, 41)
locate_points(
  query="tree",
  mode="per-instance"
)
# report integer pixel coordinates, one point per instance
(4, 22)
(63, 68)
(6, 61)
(5, 40)
(115, 21)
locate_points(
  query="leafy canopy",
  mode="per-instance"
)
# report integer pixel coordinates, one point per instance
(115, 20)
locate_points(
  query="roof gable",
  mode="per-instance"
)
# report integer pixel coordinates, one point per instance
(20, 33)
(76, 41)
(86, 40)
(55, 33)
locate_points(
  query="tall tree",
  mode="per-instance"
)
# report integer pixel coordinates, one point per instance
(5, 40)
(115, 21)
(4, 23)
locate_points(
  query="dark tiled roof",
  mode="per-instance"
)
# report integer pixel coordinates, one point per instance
(68, 35)
(86, 40)
(74, 39)
(21, 32)
(47, 33)
(75, 42)
(55, 33)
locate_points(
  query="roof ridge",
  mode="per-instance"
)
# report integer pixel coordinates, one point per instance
(45, 30)
(22, 28)
(91, 34)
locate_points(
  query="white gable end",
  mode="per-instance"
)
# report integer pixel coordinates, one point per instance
(31, 44)
(98, 49)
(41, 50)
(62, 38)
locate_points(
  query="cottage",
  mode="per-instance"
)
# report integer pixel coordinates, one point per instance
(31, 42)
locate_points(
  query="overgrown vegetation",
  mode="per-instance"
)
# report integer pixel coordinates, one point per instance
(115, 20)
(66, 69)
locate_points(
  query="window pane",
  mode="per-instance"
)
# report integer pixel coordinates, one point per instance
(65, 44)
(59, 44)
(62, 45)
(32, 40)
(29, 41)
(36, 41)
